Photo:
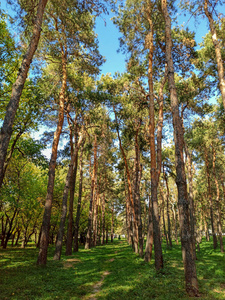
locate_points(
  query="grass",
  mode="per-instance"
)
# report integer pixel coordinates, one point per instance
(127, 276)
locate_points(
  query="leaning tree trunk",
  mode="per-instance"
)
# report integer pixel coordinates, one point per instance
(7, 127)
(42, 256)
(77, 221)
(59, 242)
(189, 262)
(217, 47)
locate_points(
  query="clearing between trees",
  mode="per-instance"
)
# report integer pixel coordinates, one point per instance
(112, 271)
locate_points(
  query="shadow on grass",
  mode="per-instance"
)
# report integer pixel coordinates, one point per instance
(128, 276)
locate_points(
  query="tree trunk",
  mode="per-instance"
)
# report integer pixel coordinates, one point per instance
(59, 242)
(135, 227)
(217, 47)
(103, 220)
(191, 200)
(137, 200)
(77, 221)
(218, 202)
(149, 241)
(95, 215)
(155, 169)
(69, 240)
(163, 217)
(189, 263)
(210, 200)
(89, 232)
(7, 127)
(168, 209)
(42, 256)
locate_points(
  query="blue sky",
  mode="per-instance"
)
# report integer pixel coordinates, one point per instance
(108, 35)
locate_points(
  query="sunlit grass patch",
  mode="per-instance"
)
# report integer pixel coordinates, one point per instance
(127, 276)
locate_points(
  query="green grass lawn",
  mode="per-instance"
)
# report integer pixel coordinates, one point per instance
(122, 274)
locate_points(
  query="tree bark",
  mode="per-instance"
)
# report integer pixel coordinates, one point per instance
(69, 240)
(191, 200)
(217, 47)
(77, 221)
(42, 256)
(135, 227)
(137, 200)
(89, 232)
(112, 224)
(189, 263)
(210, 199)
(149, 241)
(168, 209)
(59, 242)
(218, 202)
(7, 127)
(155, 155)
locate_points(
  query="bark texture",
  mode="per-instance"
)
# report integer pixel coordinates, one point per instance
(189, 263)
(42, 256)
(90, 216)
(77, 221)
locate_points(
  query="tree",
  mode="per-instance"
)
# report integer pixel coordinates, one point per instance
(6, 130)
(189, 264)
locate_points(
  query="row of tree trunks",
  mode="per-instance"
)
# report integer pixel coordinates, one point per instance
(72, 166)
(130, 191)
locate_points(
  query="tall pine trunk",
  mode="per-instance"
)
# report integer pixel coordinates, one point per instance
(77, 221)
(168, 209)
(69, 240)
(137, 200)
(218, 202)
(189, 262)
(191, 200)
(149, 240)
(59, 242)
(210, 200)
(7, 127)
(42, 256)
(90, 216)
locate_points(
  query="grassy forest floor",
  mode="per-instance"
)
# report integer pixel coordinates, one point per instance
(110, 272)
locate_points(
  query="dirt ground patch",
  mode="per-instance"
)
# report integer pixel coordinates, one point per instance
(69, 263)
(97, 286)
